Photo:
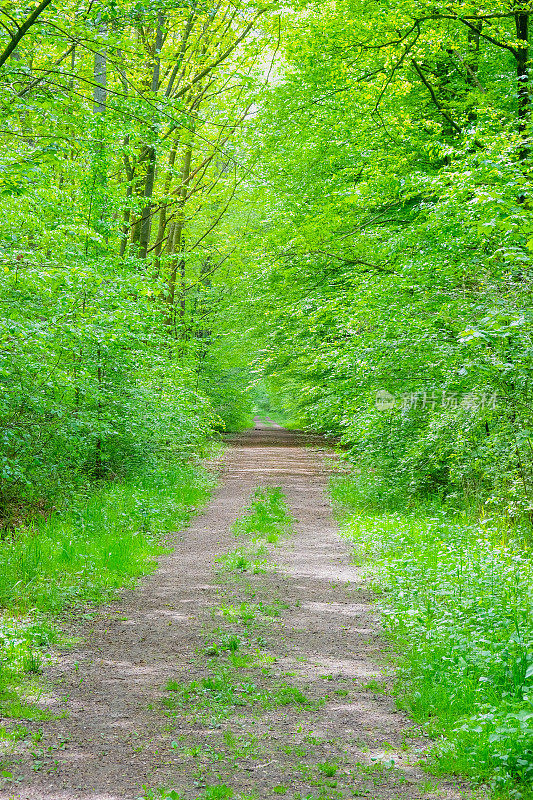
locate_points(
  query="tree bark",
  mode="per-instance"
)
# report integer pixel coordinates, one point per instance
(176, 241)
(163, 210)
(522, 74)
(100, 77)
(146, 216)
(130, 174)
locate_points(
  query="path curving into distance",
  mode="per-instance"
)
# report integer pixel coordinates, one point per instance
(314, 638)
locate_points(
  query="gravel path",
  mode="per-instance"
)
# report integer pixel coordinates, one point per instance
(113, 733)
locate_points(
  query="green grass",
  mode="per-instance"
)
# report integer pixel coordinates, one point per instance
(243, 560)
(286, 695)
(223, 690)
(160, 794)
(220, 792)
(457, 600)
(102, 542)
(328, 769)
(221, 642)
(263, 521)
(227, 687)
(244, 613)
(266, 518)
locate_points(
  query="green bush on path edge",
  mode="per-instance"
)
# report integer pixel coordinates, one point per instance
(455, 593)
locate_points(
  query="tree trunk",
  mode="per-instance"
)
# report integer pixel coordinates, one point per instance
(522, 74)
(130, 174)
(98, 198)
(100, 77)
(176, 243)
(146, 216)
(163, 210)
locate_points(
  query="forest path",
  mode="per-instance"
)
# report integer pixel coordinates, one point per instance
(307, 624)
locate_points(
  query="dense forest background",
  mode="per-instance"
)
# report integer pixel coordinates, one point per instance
(321, 210)
(318, 201)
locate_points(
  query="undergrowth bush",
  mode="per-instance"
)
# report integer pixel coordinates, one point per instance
(458, 603)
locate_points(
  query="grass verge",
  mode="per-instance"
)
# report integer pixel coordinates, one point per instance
(102, 542)
(458, 604)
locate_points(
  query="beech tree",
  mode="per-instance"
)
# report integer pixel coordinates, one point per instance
(395, 226)
(120, 129)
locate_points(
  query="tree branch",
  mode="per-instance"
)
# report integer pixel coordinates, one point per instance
(24, 28)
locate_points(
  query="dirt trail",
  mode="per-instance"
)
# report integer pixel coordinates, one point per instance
(344, 741)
